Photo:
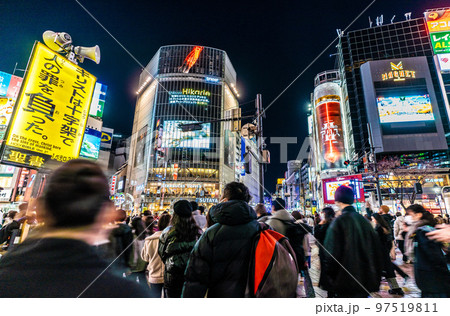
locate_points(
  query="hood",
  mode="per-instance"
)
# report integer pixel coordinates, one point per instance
(233, 213)
(283, 215)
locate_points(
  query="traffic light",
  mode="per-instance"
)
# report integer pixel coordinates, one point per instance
(418, 188)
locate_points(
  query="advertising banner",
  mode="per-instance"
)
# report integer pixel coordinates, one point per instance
(444, 62)
(6, 110)
(51, 111)
(438, 21)
(4, 82)
(330, 185)
(409, 108)
(91, 143)
(174, 137)
(440, 42)
(107, 137)
(98, 100)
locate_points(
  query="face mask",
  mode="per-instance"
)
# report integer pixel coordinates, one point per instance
(408, 219)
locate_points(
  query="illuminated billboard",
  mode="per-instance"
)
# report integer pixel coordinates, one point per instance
(438, 21)
(444, 62)
(98, 100)
(6, 110)
(9, 85)
(191, 59)
(411, 108)
(173, 137)
(330, 186)
(440, 42)
(51, 111)
(91, 143)
(190, 96)
(331, 147)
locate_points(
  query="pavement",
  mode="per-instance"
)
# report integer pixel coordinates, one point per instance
(410, 288)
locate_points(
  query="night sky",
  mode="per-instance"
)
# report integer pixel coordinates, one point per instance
(269, 44)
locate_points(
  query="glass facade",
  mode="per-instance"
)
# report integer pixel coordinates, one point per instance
(182, 85)
(397, 40)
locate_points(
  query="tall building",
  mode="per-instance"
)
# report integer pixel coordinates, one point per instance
(169, 159)
(390, 81)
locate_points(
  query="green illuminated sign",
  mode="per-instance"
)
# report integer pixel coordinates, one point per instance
(440, 42)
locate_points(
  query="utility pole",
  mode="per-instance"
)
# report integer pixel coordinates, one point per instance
(260, 146)
(374, 156)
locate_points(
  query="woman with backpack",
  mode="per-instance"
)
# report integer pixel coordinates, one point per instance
(175, 245)
(384, 232)
(430, 264)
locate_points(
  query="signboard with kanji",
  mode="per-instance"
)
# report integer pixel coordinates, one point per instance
(49, 120)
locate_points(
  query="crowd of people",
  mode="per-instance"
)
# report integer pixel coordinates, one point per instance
(87, 248)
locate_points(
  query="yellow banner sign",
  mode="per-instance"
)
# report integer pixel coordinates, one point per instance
(52, 109)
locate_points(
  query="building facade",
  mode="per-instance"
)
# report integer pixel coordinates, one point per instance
(170, 159)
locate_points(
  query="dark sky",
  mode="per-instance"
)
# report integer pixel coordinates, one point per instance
(268, 42)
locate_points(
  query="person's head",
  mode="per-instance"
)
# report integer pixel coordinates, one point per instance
(296, 215)
(260, 210)
(164, 221)
(146, 213)
(201, 208)
(379, 220)
(398, 214)
(328, 214)
(419, 213)
(121, 216)
(12, 214)
(183, 222)
(23, 207)
(384, 209)
(236, 191)
(194, 205)
(76, 195)
(278, 204)
(343, 197)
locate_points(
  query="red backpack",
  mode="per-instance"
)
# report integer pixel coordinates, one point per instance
(273, 270)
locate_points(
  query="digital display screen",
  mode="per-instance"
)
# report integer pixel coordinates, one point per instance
(330, 186)
(174, 137)
(91, 143)
(412, 108)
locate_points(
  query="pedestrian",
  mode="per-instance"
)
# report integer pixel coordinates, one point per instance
(383, 230)
(121, 240)
(260, 210)
(352, 260)
(137, 264)
(219, 264)
(155, 266)
(175, 245)
(399, 234)
(199, 218)
(430, 264)
(317, 219)
(279, 216)
(59, 261)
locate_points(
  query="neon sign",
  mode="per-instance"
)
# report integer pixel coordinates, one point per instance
(191, 59)
(398, 73)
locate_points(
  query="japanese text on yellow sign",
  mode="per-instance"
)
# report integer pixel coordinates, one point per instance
(53, 107)
(438, 21)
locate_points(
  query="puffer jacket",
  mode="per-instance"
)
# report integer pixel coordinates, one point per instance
(149, 254)
(220, 260)
(175, 255)
(352, 241)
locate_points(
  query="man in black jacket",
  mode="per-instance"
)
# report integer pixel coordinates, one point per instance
(352, 259)
(219, 262)
(60, 261)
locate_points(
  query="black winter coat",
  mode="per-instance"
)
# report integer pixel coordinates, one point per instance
(175, 255)
(220, 260)
(430, 266)
(353, 242)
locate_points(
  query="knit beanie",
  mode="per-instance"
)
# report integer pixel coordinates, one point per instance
(183, 208)
(344, 195)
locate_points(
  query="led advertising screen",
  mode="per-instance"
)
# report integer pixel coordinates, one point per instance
(354, 181)
(91, 143)
(411, 108)
(51, 111)
(173, 137)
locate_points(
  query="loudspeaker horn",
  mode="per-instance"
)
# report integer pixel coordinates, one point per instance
(92, 53)
(57, 41)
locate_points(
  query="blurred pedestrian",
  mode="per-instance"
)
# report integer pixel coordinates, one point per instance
(175, 245)
(60, 261)
(399, 235)
(320, 231)
(353, 260)
(121, 240)
(383, 230)
(219, 264)
(430, 264)
(261, 210)
(155, 267)
(441, 234)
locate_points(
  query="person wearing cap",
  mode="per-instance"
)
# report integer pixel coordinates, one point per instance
(175, 245)
(353, 259)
